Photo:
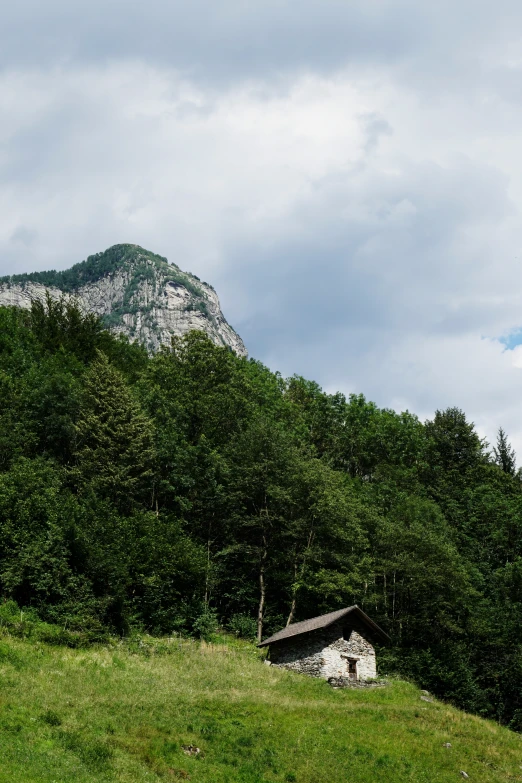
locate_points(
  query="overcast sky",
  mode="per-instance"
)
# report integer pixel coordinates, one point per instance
(348, 175)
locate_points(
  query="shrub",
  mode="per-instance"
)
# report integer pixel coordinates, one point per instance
(206, 624)
(243, 625)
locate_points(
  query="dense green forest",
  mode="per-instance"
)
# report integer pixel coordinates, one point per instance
(106, 263)
(191, 488)
(88, 271)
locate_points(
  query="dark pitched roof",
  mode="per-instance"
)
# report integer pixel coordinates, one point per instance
(324, 620)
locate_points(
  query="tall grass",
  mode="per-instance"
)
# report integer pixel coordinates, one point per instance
(137, 711)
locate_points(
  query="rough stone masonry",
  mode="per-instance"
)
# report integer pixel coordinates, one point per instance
(326, 653)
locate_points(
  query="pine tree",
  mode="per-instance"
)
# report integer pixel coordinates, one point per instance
(505, 456)
(114, 439)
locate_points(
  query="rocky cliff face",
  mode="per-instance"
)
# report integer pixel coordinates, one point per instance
(136, 293)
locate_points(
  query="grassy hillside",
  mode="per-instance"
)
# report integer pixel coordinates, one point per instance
(124, 714)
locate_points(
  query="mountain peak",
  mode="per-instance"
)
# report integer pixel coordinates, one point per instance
(135, 292)
(93, 268)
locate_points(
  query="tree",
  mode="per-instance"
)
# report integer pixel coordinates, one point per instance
(260, 463)
(114, 440)
(325, 541)
(456, 447)
(455, 456)
(37, 520)
(60, 323)
(505, 456)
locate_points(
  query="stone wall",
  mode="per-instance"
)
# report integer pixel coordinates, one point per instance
(325, 652)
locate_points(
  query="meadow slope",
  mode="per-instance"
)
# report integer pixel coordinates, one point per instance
(125, 713)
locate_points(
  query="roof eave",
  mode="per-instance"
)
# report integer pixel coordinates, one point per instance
(364, 617)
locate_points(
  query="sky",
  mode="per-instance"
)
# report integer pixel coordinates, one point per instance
(348, 175)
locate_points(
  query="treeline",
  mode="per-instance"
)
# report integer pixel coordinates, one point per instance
(176, 491)
(89, 271)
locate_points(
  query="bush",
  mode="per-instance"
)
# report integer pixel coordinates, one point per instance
(25, 624)
(243, 626)
(206, 625)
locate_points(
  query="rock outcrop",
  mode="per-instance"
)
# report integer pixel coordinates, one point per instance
(136, 293)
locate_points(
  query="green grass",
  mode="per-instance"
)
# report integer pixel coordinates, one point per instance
(124, 713)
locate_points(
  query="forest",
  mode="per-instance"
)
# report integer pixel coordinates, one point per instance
(92, 269)
(192, 489)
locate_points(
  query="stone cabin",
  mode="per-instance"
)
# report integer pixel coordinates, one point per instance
(338, 645)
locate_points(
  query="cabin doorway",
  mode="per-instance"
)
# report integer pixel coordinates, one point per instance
(352, 669)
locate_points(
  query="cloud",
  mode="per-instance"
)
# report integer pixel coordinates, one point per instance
(233, 40)
(348, 177)
(212, 41)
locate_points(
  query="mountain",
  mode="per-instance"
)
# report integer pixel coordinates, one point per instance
(136, 292)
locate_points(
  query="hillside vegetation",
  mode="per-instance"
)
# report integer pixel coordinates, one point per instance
(105, 263)
(175, 492)
(136, 712)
